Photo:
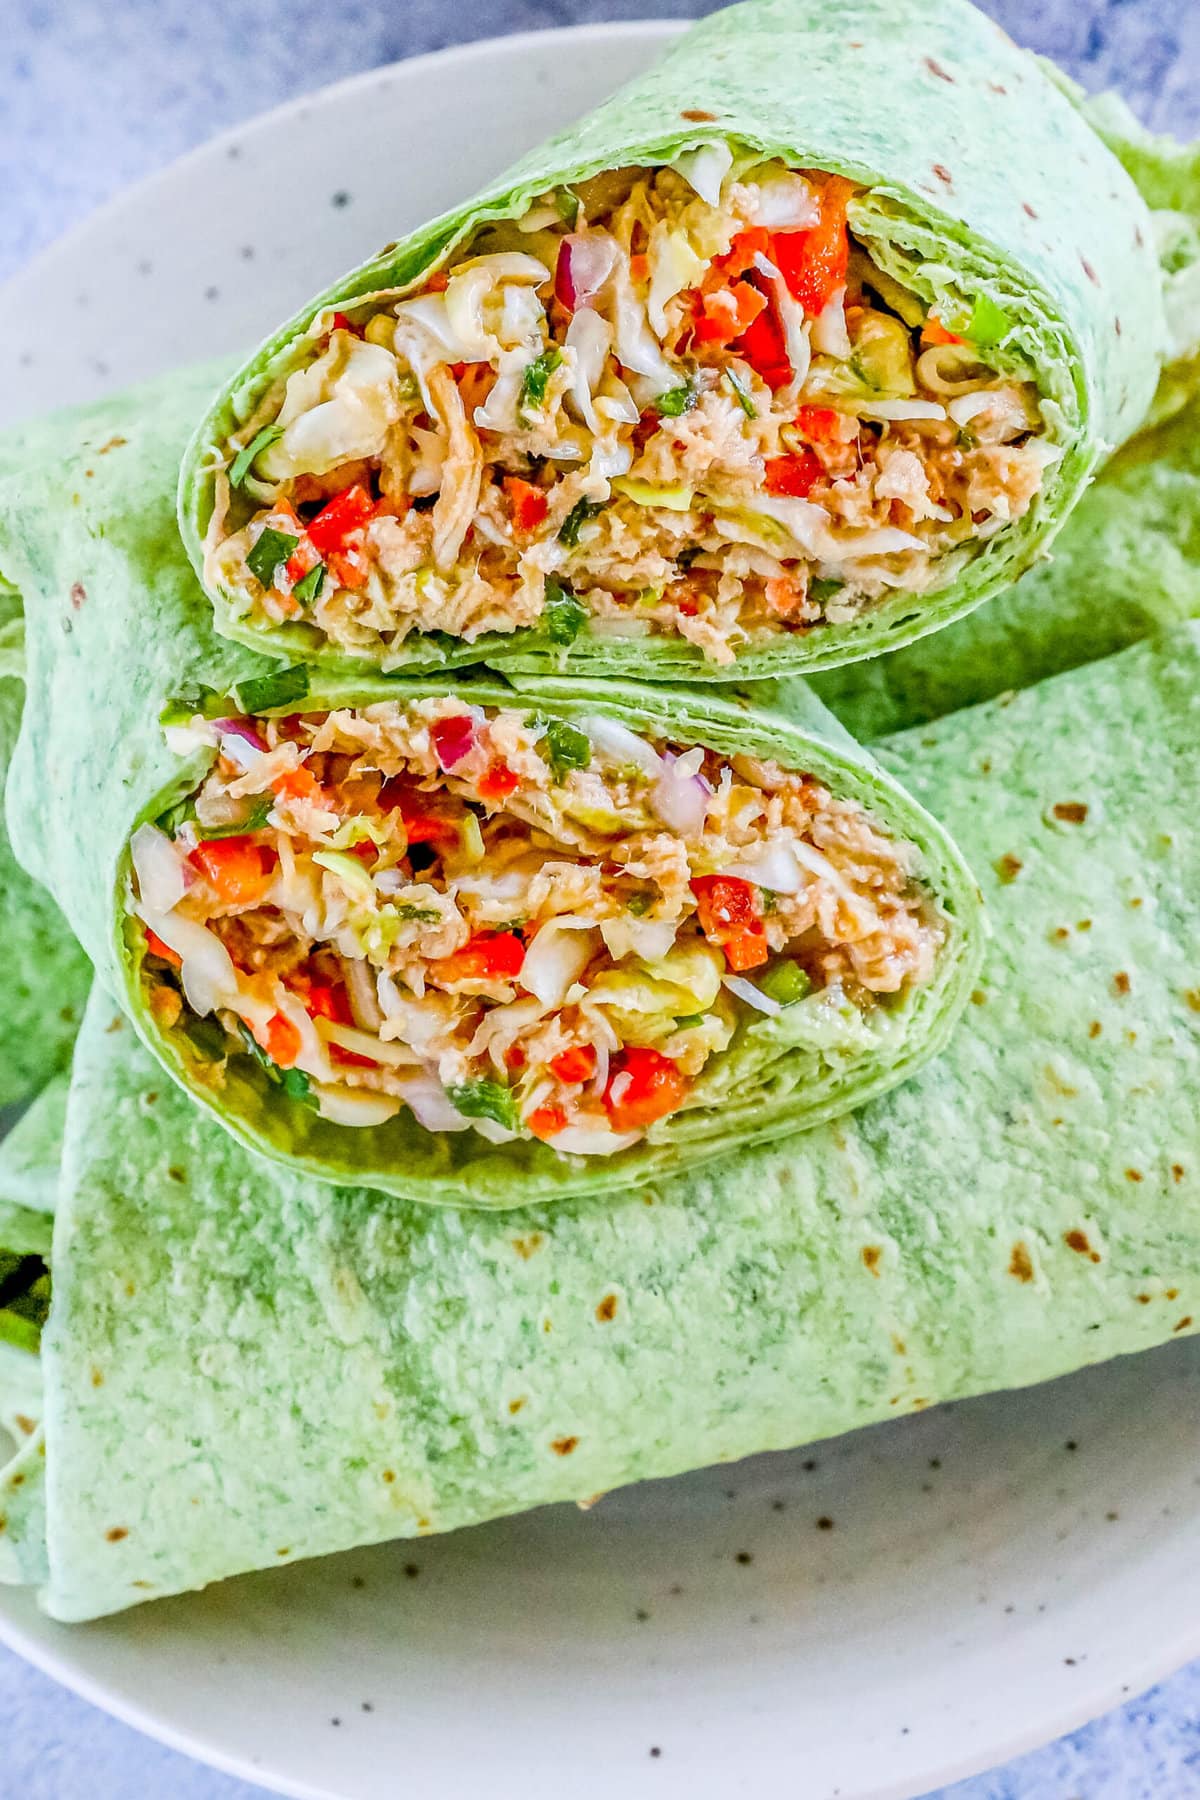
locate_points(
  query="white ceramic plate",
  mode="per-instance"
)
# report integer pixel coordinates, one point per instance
(871, 1618)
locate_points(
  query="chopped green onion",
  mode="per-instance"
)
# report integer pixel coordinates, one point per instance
(567, 748)
(421, 915)
(564, 616)
(309, 586)
(536, 379)
(639, 904)
(269, 550)
(294, 1082)
(245, 458)
(580, 513)
(266, 692)
(567, 204)
(176, 817)
(689, 1020)
(677, 401)
(255, 819)
(741, 393)
(822, 591)
(785, 982)
(484, 1100)
(989, 322)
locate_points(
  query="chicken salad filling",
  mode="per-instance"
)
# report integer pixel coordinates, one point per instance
(681, 400)
(516, 922)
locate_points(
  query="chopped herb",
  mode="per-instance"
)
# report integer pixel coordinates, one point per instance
(536, 379)
(207, 1037)
(267, 552)
(243, 462)
(294, 1082)
(566, 747)
(254, 820)
(409, 389)
(822, 591)
(688, 1020)
(639, 904)
(421, 915)
(309, 586)
(568, 205)
(989, 322)
(785, 982)
(741, 393)
(484, 1100)
(266, 692)
(677, 401)
(770, 900)
(580, 513)
(564, 616)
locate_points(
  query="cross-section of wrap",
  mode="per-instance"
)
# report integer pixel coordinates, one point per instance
(795, 350)
(467, 940)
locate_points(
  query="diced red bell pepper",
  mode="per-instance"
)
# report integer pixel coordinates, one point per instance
(280, 1039)
(453, 739)
(813, 263)
(763, 346)
(349, 569)
(488, 956)
(325, 1001)
(346, 512)
(422, 824)
(644, 1086)
(727, 313)
(527, 505)
(821, 424)
(156, 947)
(475, 382)
(578, 1063)
(342, 323)
(546, 1121)
(302, 559)
(754, 241)
(514, 1057)
(934, 332)
(730, 914)
(497, 782)
(238, 870)
(437, 283)
(793, 475)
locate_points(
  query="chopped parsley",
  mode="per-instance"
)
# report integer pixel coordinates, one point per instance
(244, 461)
(175, 817)
(565, 747)
(309, 586)
(536, 380)
(267, 691)
(688, 1020)
(677, 401)
(564, 615)
(421, 915)
(741, 393)
(484, 1100)
(269, 549)
(823, 591)
(580, 513)
(294, 1082)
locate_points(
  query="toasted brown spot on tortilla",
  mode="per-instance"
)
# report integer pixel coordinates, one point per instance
(824, 1524)
(1021, 1263)
(78, 595)
(1083, 924)
(116, 1533)
(1089, 271)
(1142, 1299)
(1025, 207)
(24, 1424)
(1184, 1322)
(607, 1309)
(1095, 1028)
(998, 87)
(514, 1406)
(1172, 1293)
(1071, 812)
(698, 115)
(1078, 1241)
(1121, 982)
(114, 443)
(1136, 902)
(1118, 327)
(1192, 996)
(943, 174)
(1134, 1175)
(97, 1378)
(1177, 1171)
(563, 1446)
(284, 1552)
(978, 997)
(899, 1345)
(17, 1480)
(935, 68)
(1008, 866)
(1060, 934)
(871, 1254)
(526, 1246)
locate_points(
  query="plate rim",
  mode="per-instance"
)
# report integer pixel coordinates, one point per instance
(17, 1636)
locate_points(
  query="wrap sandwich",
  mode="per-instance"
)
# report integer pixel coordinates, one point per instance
(476, 942)
(244, 1367)
(795, 350)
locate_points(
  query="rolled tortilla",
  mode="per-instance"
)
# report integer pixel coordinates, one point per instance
(736, 1061)
(287, 1370)
(744, 443)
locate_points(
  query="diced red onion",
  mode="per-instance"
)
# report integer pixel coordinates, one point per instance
(240, 743)
(454, 738)
(585, 262)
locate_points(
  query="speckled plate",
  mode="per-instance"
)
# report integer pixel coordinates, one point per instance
(870, 1618)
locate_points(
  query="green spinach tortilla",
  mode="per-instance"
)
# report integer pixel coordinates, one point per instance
(1028, 1204)
(710, 523)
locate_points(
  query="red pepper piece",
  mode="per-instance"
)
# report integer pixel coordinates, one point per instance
(346, 512)
(644, 1086)
(793, 475)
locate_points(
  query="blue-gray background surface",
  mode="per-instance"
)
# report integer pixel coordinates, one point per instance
(94, 94)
